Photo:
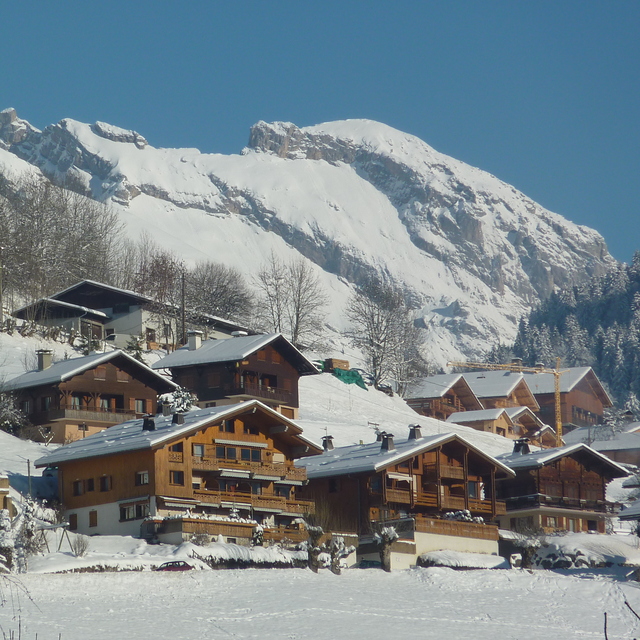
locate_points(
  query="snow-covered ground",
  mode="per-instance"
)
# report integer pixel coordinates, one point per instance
(295, 604)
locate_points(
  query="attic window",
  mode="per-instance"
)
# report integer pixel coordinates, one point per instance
(122, 376)
(100, 373)
(262, 355)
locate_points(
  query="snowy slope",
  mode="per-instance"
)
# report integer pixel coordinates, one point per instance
(354, 197)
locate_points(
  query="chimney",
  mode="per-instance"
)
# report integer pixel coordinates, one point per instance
(45, 357)
(327, 443)
(166, 408)
(414, 432)
(380, 435)
(178, 418)
(194, 339)
(148, 423)
(521, 446)
(387, 442)
(516, 362)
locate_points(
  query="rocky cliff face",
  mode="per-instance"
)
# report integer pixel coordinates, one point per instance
(355, 197)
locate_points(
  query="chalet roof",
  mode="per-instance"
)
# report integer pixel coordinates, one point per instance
(493, 384)
(437, 386)
(48, 303)
(544, 383)
(617, 441)
(461, 417)
(516, 413)
(96, 295)
(65, 369)
(539, 459)
(129, 436)
(631, 513)
(361, 458)
(234, 349)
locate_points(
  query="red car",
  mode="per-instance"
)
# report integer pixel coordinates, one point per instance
(175, 565)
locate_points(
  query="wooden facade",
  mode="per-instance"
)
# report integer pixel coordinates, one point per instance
(443, 399)
(106, 393)
(567, 492)
(429, 482)
(234, 469)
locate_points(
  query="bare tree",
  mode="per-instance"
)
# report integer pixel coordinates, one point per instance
(382, 328)
(292, 300)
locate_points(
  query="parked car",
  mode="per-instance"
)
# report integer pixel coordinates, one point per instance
(174, 565)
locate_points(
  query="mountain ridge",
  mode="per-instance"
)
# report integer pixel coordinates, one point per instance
(355, 197)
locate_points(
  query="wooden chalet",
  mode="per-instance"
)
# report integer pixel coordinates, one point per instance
(511, 422)
(265, 367)
(557, 489)
(501, 389)
(443, 395)
(219, 471)
(582, 396)
(411, 484)
(100, 311)
(74, 398)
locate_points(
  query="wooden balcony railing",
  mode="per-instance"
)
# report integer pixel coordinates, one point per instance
(260, 391)
(176, 456)
(455, 528)
(256, 501)
(86, 414)
(282, 471)
(399, 496)
(446, 471)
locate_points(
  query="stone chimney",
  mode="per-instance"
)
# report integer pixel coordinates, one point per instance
(521, 446)
(45, 358)
(415, 432)
(148, 424)
(387, 443)
(178, 418)
(327, 443)
(194, 339)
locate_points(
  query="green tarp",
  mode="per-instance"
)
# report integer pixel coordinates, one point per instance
(350, 377)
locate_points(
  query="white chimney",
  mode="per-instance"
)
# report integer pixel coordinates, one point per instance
(194, 339)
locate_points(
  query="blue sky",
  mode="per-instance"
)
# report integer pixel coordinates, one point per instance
(545, 95)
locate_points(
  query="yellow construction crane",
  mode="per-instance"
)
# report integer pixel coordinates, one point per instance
(518, 368)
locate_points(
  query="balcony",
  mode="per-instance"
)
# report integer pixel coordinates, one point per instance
(455, 528)
(256, 501)
(280, 471)
(446, 471)
(457, 503)
(398, 496)
(575, 504)
(272, 394)
(84, 414)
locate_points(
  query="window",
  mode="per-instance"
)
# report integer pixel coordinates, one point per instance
(104, 404)
(229, 426)
(140, 406)
(25, 406)
(73, 521)
(198, 450)
(46, 403)
(176, 447)
(228, 453)
(552, 521)
(262, 355)
(276, 357)
(93, 518)
(472, 488)
(89, 485)
(77, 488)
(75, 402)
(250, 455)
(283, 492)
(134, 511)
(142, 478)
(254, 431)
(100, 373)
(150, 335)
(82, 427)
(176, 477)
(122, 376)
(105, 483)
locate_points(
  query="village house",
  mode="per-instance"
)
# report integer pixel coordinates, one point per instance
(219, 471)
(74, 398)
(102, 312)
(442, 395)
(583, 398)
(557, 489)
(411, 484)
(265, 367)
(510, 422)
(501, 389)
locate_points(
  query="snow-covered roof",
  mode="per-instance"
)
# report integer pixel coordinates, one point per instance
(631, 513)
(370, 457)
(434, 386)
(461, 417)
(493, 384)
(542, 383)
(235, 349)
(616, 442)
(100, 285)
(538, 459)
(65, 369)
(129, 436)
(51, 302)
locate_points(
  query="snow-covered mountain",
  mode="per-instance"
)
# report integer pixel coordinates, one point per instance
(355, 197)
